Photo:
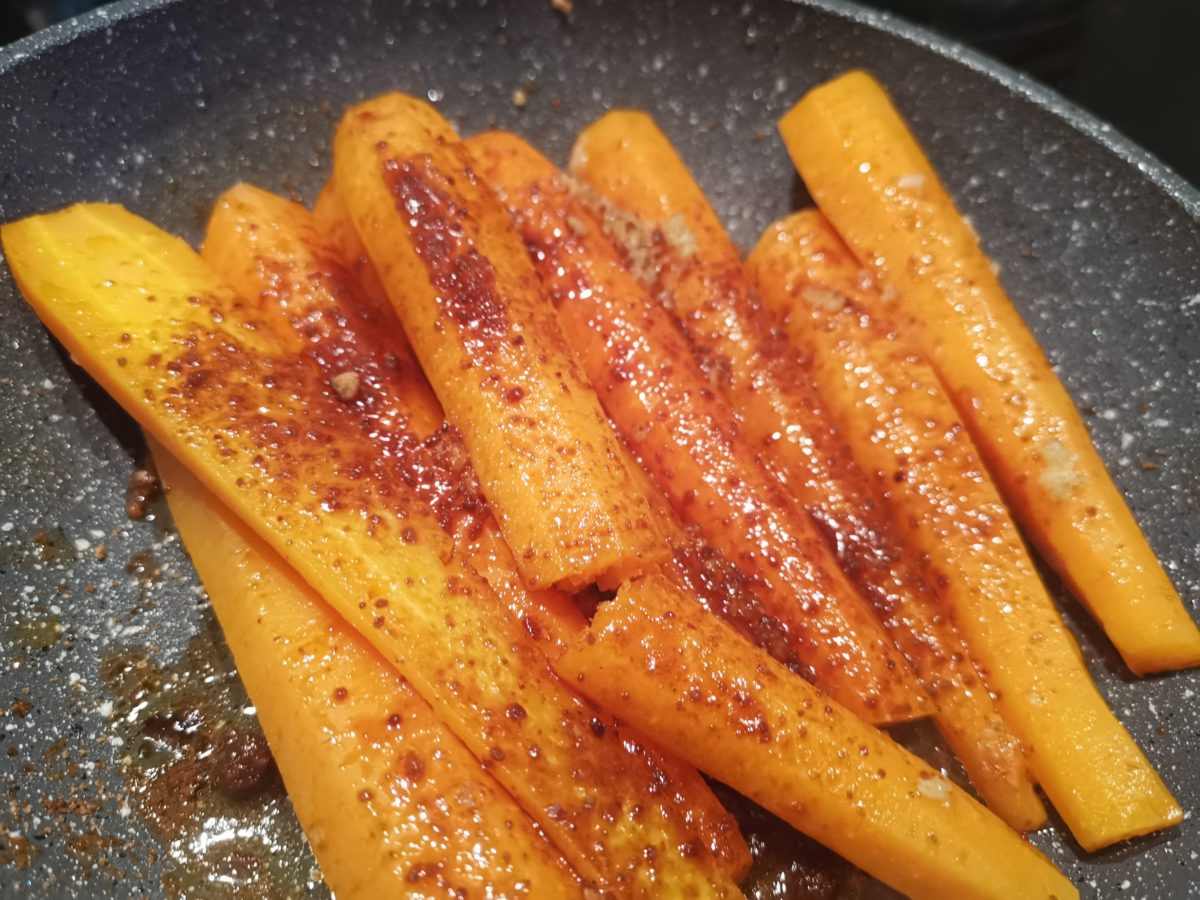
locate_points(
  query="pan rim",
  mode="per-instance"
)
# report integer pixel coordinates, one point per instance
(32, 47)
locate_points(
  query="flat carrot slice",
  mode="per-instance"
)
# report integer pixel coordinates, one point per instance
(902, 428)
(308, 472)
(664, 407)
(749, 722)
(390, 799)
(274, 250)
(627, 159)
(867, 173)
(464, 288)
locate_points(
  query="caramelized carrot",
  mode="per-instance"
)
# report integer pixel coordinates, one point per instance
(697, 272)
(390, 799)
(866, 171)
(270, 248)
(273, 250)
(464, 288)
(749, 722)
(311, 473)
(904, 430)
(333, 221)
(483, 546)
(665, 409)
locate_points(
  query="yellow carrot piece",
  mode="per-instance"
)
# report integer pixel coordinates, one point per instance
(743, 718)
(640, 177)
(390, 799)
(869, 176)
(272, 250)
(462, 284)
(902, 429)
(312, 473)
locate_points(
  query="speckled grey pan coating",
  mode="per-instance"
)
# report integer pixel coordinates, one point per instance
(162, 105)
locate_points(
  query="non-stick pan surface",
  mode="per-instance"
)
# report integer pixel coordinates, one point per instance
(161, 105)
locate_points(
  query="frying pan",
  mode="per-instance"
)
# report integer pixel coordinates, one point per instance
(160, 105)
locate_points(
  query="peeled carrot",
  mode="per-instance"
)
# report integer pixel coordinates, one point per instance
(904, 430)
(212, 381)
(269, 248)
(464, 288)
(390, 799)
(275, 251)
(631, 164)
(749, 722)
(666, 411)
(868, 174)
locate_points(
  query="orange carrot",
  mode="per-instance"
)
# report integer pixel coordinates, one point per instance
(866, 171)
(685, 437)
(333, 221)
(294, 270)
(749, 722)
(310, 473)
(269, 248)
(390, 799)
(904, 430)
(697, 272)
(464, 288)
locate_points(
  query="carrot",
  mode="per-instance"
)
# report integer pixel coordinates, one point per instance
(867, 173)
(636, 171)
(685, 437)
(273, 250)
(749, 722)
(904, 430)
(305, 469)
(390, 799)
(464, 288)
(333, 221)
(270, 248)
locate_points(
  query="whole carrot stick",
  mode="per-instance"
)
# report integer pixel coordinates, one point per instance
(904, 430)
(666, 411)
(631, 164)
(348, 733)
(867, 173)
(464, 288)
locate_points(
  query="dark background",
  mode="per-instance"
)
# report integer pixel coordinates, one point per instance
(1134, 63)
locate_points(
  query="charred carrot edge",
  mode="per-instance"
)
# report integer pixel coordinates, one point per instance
(885, 199)
(901, 427)
(664, 408)
(698, 273)
(746, 720)
(267, 434)
(370, 770)
(464, 288)
(276, 251)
